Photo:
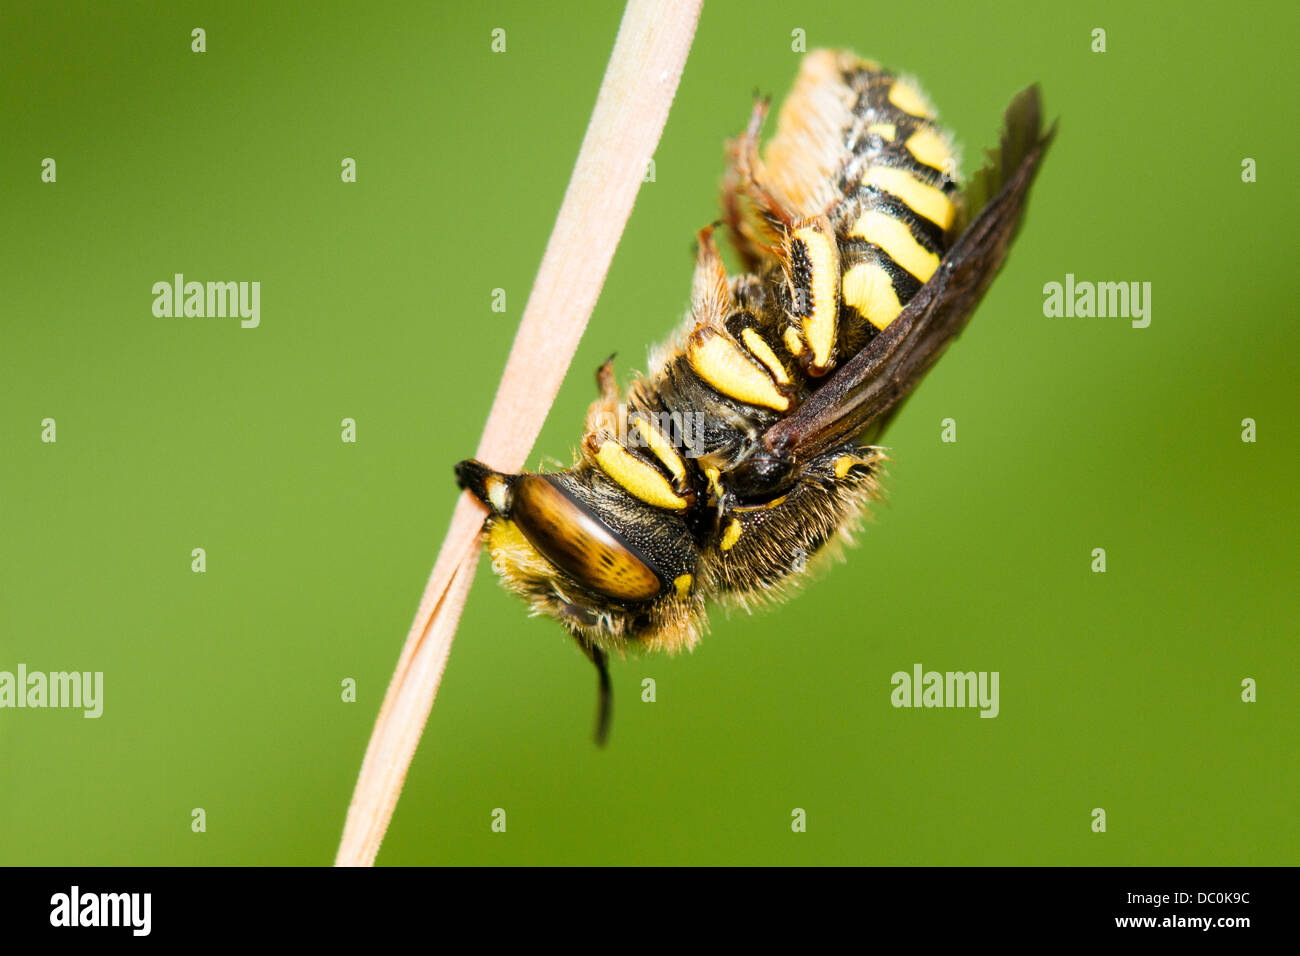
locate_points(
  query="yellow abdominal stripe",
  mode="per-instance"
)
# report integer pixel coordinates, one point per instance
(722, 364)
(819, 324)
(869, 289)
(661, 448)
(897, 242)
(929, 148)
(909, 99)
(923, 199)
(639, 478)
(885, 131)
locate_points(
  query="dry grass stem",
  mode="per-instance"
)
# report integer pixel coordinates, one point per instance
(631, 109)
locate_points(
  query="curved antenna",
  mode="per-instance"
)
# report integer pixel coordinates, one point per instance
(605, 695)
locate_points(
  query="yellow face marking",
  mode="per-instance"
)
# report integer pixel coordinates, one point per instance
(722, 364)
(495, 486)
(683, 584)
(637, 477)
(868, 288)
(512, 554)
(661, 448)
(763, 352)
(930, 148)
(897, 242)
(731, 535)
(885, 131)
(819, 323)
(793, 343)
(909, 99)
(922, 199)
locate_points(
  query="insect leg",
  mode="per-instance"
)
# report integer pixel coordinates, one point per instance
(743, 195)
(810, 258)
(602, 415)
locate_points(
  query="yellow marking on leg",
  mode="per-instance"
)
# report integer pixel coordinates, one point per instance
(661, 447)
(683, 584)
(897, 242)
(721, 363)
(909, 99)
(639, 478)
(922, 199)
(885, 131)
(846, 463)
(765, 506)
(715, 481)
(930, 148)
(793, 344)
(731, 535)
(819, 323)
(763, 352)
(868, 288)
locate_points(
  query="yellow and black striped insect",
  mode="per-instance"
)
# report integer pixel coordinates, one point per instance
(749, 448)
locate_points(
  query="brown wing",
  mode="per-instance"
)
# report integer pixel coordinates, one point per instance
(862, 395)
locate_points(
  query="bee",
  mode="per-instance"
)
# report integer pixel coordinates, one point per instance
(750, 447)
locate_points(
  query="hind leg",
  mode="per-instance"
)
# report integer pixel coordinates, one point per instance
(753, 215)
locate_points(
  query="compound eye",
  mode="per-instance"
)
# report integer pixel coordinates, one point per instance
(578, 543)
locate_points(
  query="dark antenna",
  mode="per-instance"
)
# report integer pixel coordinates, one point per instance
(605, 698)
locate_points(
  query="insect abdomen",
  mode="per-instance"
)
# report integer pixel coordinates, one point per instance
(857, 157)
(896, 218)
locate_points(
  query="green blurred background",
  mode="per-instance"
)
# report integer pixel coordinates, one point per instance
(222, 690)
